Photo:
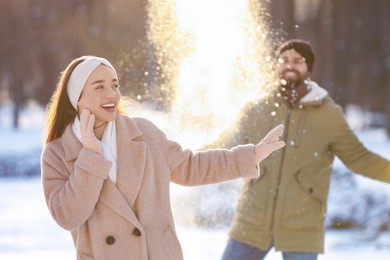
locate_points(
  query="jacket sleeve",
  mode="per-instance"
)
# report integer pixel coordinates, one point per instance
(354, 154)
(206, 167)
(71, 194)
(211, 166)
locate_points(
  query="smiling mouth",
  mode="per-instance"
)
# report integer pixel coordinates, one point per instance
(289, 72)
(109, 106)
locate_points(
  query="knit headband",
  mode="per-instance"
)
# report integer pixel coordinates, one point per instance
(80, 75)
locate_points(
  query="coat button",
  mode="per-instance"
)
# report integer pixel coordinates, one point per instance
(310, 190)
(136, 232)
(110, 240)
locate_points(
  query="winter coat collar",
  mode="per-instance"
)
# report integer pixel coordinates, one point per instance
(72, 148)
(127, 134)
(315, 96)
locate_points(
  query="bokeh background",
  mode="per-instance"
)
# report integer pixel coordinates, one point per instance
(40, 37)
(144, 41)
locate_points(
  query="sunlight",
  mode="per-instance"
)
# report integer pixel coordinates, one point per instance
(216, 57)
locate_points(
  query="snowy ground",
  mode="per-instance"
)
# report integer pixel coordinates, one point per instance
(28, 232)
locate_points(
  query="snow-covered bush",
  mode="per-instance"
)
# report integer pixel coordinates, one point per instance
(355, 206)
(20, 164)
(350, 206)
(209, 205)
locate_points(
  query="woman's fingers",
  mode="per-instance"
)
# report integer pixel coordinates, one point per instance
(276, 145)
(91, 122)
(84, 118)
(85, 121)
(274, 134)
(269, 144)
(88, 138)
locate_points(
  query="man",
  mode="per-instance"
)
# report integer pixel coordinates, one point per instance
(285, 207)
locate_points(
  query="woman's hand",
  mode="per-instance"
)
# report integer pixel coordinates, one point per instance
(88, 137)
(269, 144)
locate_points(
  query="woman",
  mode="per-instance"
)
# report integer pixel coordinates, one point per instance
(106, 176)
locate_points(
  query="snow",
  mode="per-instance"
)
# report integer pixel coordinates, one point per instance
(27, 230)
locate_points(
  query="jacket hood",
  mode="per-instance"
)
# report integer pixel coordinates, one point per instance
(315, 96)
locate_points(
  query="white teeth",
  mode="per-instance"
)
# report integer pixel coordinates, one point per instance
(108, 105)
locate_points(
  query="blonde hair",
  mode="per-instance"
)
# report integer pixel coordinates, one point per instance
(60, 112)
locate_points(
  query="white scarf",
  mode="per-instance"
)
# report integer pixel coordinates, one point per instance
(108, 144)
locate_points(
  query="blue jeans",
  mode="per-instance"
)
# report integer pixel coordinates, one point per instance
(236, 250)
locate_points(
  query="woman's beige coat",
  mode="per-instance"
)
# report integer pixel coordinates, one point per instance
(132, 220)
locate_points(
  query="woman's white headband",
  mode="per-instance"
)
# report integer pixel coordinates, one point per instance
(80, 75)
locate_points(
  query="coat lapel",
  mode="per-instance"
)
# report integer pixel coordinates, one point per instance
(131, 159)
(113, 198)
(130, 171)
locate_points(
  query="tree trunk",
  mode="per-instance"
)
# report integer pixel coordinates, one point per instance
(386, 60)
(17, 99)
(282, 13)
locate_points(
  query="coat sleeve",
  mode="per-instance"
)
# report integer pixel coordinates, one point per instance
(354, 154)
(205, 167)
(71, 194)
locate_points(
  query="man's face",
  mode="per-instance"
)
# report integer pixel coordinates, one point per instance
(292, 68)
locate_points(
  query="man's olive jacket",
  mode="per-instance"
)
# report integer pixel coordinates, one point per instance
(287, 203)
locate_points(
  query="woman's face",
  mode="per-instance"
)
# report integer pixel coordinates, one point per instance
(101, 95)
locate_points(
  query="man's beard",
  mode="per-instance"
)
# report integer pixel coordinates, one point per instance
(289, 83)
